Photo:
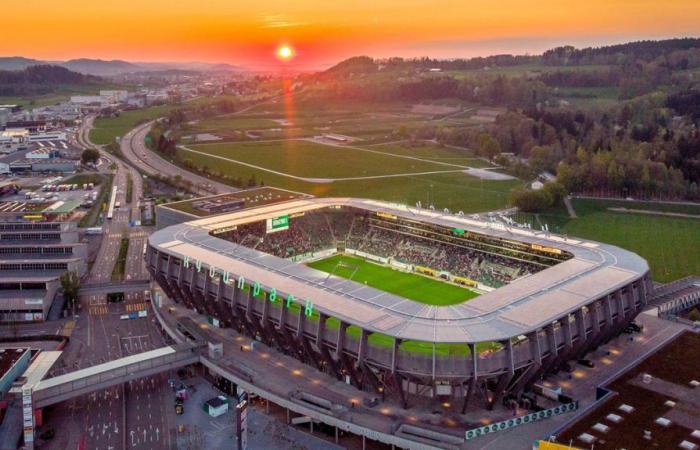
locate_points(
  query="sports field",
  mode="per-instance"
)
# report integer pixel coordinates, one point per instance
(309, 159)
(671, 245)
(415, 287)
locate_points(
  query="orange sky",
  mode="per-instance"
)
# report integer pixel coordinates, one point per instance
(322, 32)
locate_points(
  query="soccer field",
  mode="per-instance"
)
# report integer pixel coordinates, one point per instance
(415, 287)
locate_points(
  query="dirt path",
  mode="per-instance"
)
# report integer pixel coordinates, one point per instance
(569, 207)
(655, 213)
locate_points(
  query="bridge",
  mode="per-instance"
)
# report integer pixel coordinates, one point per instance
(677, 296)
(111, 287)
(57, 389)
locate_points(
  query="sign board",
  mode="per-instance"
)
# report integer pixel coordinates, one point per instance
(522, 420)
(542, 248)
(386, 215)
(277, 223)
(242, 421)
(28, 415)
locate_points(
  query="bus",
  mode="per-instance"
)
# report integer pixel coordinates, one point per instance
(112, 199)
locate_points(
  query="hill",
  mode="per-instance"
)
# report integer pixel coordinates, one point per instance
(17, 62)
(100, 67)
(108, 68)
(39, 80)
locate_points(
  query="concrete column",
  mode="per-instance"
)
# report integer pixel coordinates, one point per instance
(475, 359)
(220, 290)
(301, 322)
(594, 310)
(362, 350)
(193, 278)
(535, 349)
(509, 355)
(321, 329)
(249, 304)
(566, 329)
(283, 314)
(395, 354)
(580, 326)
(607, 310)
(340, 342)
(620, 306)
(552, 340)
(266, 309)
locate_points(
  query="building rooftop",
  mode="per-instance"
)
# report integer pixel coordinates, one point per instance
(251, 198)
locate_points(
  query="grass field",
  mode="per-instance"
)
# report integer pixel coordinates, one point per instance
(431, 152)
(411, 286)
(415, 287)
(310, 159)
(456, 191)
(106, 129)
(671, 245)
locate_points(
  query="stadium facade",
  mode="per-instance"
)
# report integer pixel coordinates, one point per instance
(583, 294)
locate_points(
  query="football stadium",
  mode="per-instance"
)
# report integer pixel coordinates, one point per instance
(404, 301)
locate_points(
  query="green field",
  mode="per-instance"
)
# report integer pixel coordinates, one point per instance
(432, 152)
(412, 286)
(313, 160)
(456, 191)
(671, 245)
(106, 129)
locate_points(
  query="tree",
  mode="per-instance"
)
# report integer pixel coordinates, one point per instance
(694, 315)
(70, 282)
(531, 201)
(556, 192)
(89, 155)
(252, 182)
(488, 146)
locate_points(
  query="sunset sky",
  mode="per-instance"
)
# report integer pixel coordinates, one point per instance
(248, 32)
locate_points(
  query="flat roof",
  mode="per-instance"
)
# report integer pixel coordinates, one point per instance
(520, 307)
(253, 198)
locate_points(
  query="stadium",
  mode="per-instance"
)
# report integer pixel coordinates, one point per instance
(403, 301)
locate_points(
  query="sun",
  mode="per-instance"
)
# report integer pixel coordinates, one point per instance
(285, 52)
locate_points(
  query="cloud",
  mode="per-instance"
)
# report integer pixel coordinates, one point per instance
(280, 21)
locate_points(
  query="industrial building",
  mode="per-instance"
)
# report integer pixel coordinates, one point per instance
(33, 255)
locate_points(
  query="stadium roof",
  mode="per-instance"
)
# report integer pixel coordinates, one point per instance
(518, 308)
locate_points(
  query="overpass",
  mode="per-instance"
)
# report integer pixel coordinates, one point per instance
(111, 287)
(57, 389)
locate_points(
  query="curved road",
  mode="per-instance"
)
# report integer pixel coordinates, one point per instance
(134, 149)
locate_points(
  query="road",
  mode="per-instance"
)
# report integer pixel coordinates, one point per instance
(134, 149)
(131, 416)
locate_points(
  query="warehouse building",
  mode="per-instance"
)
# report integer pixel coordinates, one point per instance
(33, 255)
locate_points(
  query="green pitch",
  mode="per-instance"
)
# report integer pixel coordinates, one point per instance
(415, 287)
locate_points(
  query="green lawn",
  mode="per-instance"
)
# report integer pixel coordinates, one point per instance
(310, 159)
(432, 152)
(671, 245)
(415, 287)
(106, 129)
(456, 191)
(411, 286)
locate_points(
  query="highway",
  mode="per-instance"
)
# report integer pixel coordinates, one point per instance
(132, 416)
(134, 149)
